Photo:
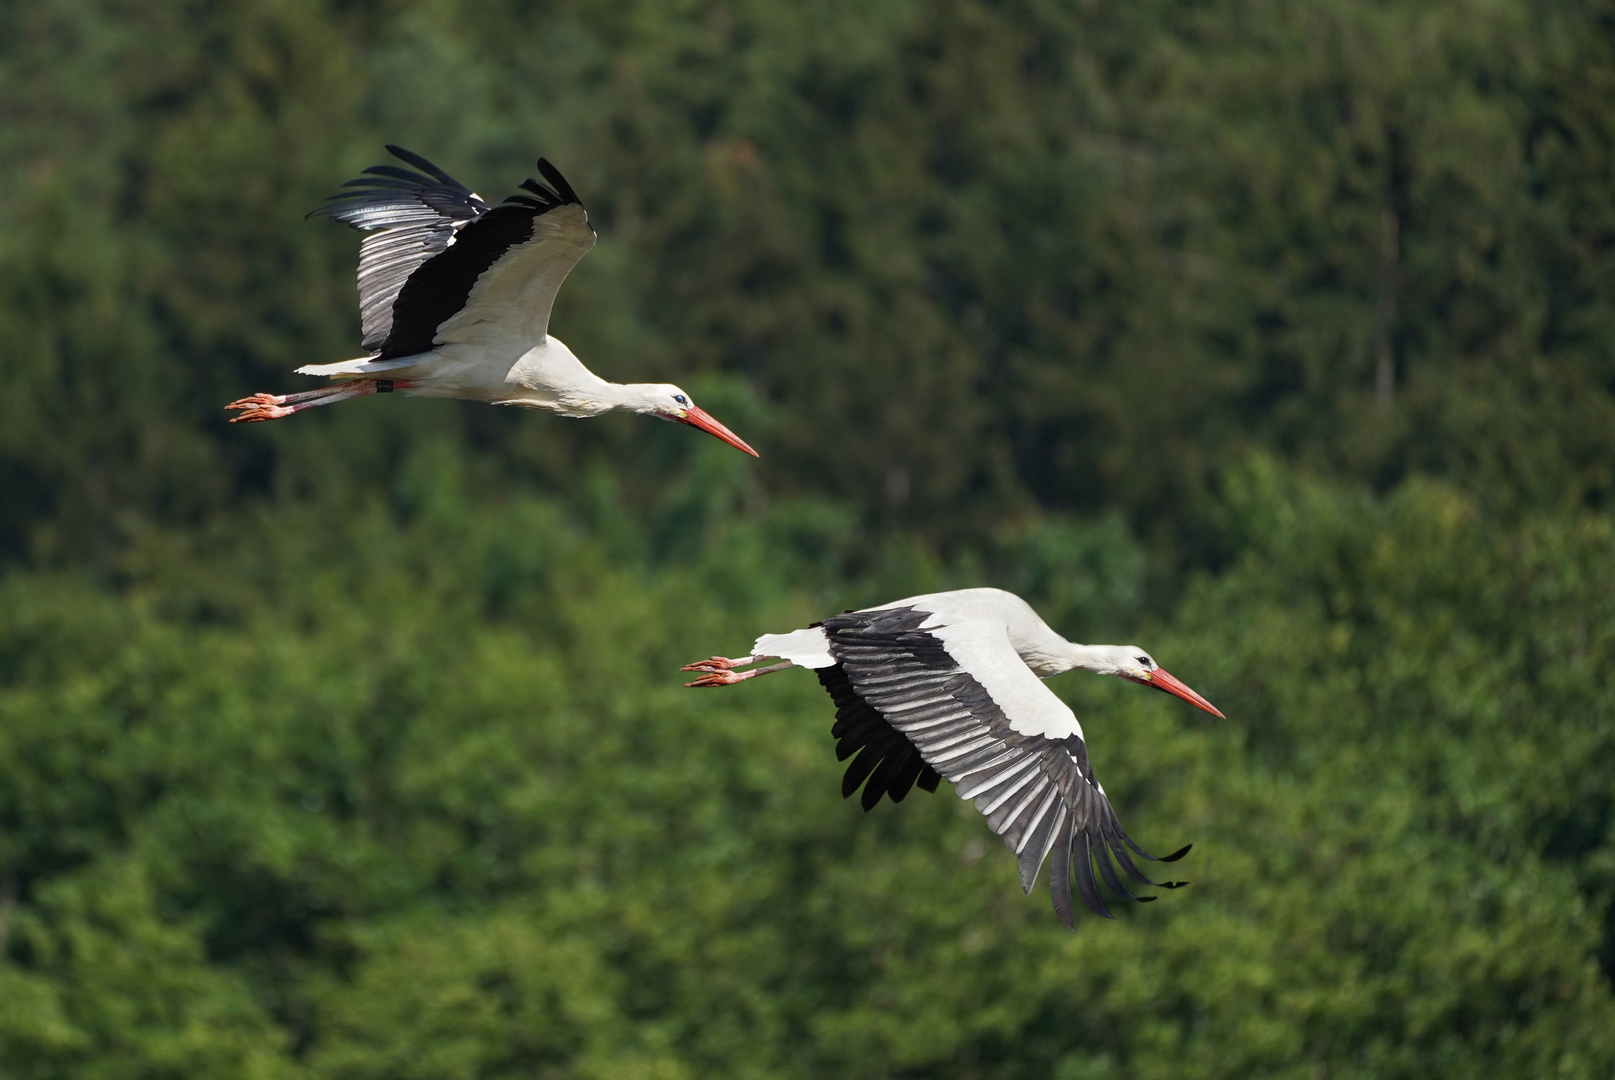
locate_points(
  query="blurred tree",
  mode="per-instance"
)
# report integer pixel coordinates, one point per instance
(429, 791)
(980, 259)
(156, 161)
(352, 746)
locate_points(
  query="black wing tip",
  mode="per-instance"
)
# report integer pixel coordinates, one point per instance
(416, 160)
(391, 176)
(1162, 885)
(1081, 868)
(542, 200)
(551, 193)
(1095, 903)
(1100, 910)
(558, 182)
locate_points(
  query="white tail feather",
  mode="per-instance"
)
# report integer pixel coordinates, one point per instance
(804, 648)
(359, 365)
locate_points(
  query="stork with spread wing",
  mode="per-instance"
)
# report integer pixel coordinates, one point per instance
(949, 686)
(455, 298)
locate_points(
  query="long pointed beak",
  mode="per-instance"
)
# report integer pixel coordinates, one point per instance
(1162, 679)
(698, 417)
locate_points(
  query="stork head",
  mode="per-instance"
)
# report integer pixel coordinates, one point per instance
(1135, 665)
(667, 402)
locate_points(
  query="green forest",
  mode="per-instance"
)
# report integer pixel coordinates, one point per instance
(1277, 338)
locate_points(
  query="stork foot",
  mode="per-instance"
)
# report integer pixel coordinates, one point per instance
(720, 678)
(253, 401)
(260, 407)
(720, 663)
(274, 406)
(719, 671)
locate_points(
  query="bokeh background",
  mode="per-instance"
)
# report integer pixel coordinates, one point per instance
(1278, 338)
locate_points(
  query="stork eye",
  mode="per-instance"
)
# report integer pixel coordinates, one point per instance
(1146, 661)
(681, 399)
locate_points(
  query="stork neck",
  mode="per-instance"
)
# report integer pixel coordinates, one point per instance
(1089, 657)
(1047, 653)
(550, 376)
(596, 395)
(644, 398)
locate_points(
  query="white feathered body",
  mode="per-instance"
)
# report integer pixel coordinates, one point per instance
(547, 376)
(455, 298)
(993, 634)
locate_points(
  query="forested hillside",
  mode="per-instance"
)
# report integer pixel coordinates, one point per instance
(1278, 338)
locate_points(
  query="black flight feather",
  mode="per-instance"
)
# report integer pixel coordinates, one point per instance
(448, 236)
(420, 163)
(897, 689)
(1060, 875)
(861, 730)
(1082, 863)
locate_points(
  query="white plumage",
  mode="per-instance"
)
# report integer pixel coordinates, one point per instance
(949, 685)
(455, 299)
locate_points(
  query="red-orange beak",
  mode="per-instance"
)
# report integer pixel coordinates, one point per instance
(698, 417)
(1162, 679)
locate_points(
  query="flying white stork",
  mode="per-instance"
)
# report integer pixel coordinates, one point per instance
(949, 685)
(455, 298)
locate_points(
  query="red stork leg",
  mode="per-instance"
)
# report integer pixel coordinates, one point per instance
(720, 670)
(276, 406)
(721, 663)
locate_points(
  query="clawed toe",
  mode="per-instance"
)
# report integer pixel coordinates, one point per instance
(720, 670)
(259, 407)
(716, 664)
(256, 401)
(255, 413)
(715, 678)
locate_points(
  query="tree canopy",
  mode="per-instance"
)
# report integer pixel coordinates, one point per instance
(1275, 337)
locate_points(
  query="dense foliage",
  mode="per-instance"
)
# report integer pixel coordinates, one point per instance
(1275, 337)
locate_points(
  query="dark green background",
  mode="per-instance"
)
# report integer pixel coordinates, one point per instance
(1278, 338)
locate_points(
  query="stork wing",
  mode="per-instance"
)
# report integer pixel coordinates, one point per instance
(964, 705)
(415, 215)
(495, 283)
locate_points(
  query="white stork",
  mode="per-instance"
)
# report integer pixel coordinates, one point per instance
(455, 299)
(950, 686)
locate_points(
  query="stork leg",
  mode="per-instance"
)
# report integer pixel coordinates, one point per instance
(720, 670)
(721, 663)
(275, 406)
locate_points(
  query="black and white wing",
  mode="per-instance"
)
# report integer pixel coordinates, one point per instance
(449, 269)
(918, 703)
(413, 215)
(495, 285)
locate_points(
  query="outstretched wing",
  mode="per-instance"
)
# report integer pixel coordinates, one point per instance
(963, 700)
(414, 215)
(495, 284)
